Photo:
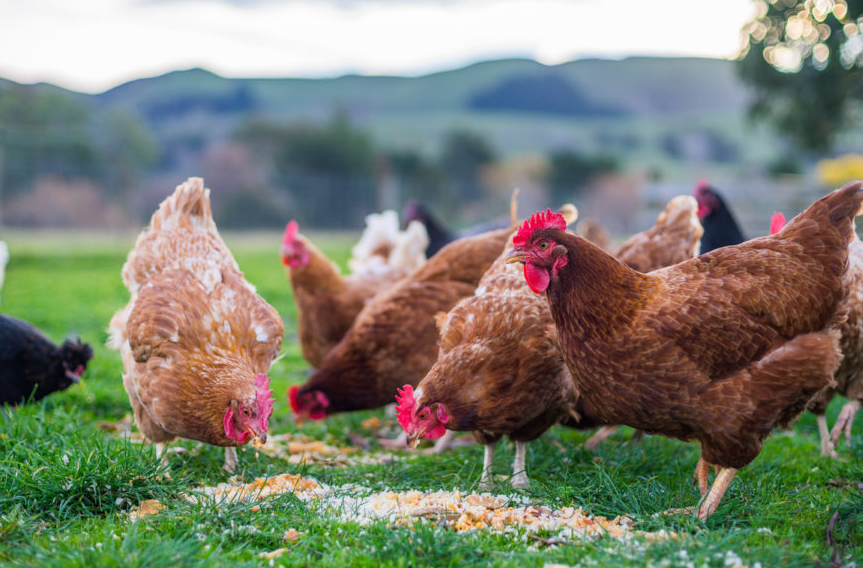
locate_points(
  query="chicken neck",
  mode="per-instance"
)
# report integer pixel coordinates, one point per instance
(594, 294)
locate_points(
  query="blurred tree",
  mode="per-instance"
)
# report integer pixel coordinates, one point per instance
(126, 150)
(463, 158)
(804, 60)
(43, 132)
(418, 178)
(570, 171)
(328, 169)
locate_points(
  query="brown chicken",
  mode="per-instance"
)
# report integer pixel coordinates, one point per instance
(327, 302)
(394, 338)
(848, 378)
(593, 231)
(503, 374)
(675, 237)
(720, 348)
(196, 340)
(499, 372)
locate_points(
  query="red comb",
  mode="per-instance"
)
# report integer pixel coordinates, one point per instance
(293, 398)
(405, 406)
(777, 222)
(702, 185)
(539, 220)
(263, 394)
(290, 232)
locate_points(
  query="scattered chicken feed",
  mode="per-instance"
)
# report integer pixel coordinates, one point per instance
(514, 515)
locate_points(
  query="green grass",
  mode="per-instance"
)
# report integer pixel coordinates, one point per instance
(66, 484)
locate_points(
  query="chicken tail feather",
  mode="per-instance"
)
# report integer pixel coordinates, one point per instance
(191, 201)
(837, 208)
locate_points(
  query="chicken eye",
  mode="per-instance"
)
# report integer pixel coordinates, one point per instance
(424, 414)
(246, 412)
(542, 245)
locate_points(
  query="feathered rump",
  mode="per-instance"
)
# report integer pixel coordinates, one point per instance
(191, 201)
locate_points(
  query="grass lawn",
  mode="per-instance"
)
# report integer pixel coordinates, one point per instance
(67, 484)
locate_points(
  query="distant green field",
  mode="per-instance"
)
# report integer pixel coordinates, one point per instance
(66, 484)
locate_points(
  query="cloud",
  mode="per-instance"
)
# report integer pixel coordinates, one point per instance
(337, 3)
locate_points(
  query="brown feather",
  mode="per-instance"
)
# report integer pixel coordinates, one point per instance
(393, 340)
(194, 334)
(702, 349)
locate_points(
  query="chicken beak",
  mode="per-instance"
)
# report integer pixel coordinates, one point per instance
(415, 438)
(515, 255)
(259, 438)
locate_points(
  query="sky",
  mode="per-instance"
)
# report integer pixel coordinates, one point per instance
(93, 45)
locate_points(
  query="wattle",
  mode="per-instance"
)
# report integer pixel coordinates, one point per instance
(537, 278)
(231, 431)
(436, 432)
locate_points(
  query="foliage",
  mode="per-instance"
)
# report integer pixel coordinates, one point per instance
(319, 166)
(463, 158)
(570, 172)
(804, 59)
(418, 177)
(50, 132)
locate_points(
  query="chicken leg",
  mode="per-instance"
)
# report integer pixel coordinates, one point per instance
(844, 421)
(230, 459)
(519, 475)
(598, 437)
(711, 501)
(828, 447)
(488, 457)
(702, 468)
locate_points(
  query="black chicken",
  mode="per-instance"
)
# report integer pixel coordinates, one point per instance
(31, 364)
(720, 227)
(439, 235)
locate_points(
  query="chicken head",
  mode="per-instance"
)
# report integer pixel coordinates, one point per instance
(311, 405)
(542, 257)
(250, 416)
(428, 422)
(294, 251)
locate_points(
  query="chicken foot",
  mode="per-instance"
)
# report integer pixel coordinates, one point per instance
(710, 502)
(844, 421)
(519, 475)
(488, 457)
(828, 447)
(230, 459)
(599, 437)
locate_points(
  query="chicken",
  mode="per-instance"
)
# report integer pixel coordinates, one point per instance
(30, 364)
(382, 248)
(720, 348)
(675, 237)
(720, 226)
(502, 375)
(394, 338)
(195, 339)
(848, 378)
(593, 231)
(439, 235)
(499, 371)
(327, 302)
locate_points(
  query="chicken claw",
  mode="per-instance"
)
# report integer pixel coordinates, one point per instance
(844, 421)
